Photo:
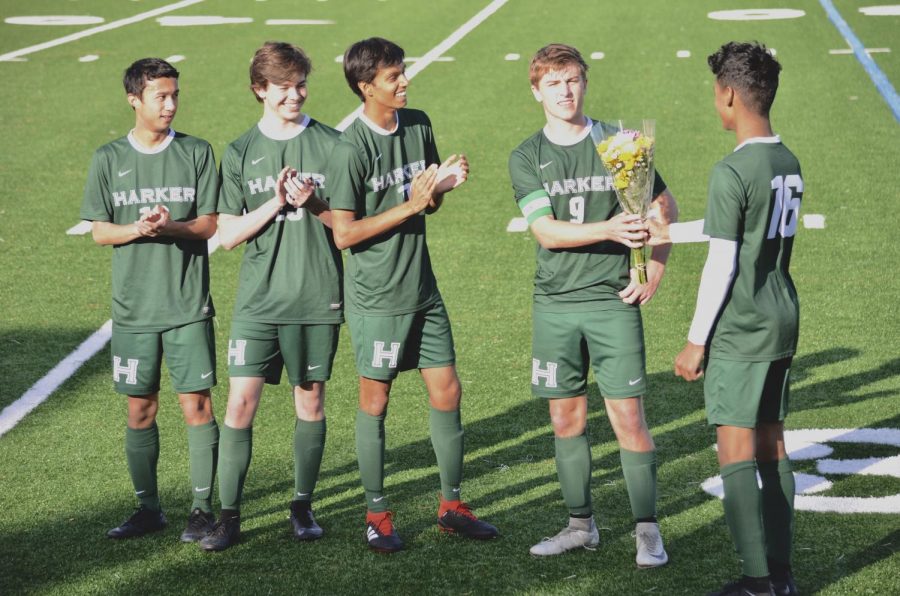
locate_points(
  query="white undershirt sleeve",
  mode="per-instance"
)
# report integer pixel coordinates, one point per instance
(689, 231)
(714, 285)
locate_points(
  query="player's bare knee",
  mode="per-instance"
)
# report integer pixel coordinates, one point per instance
(309, 401)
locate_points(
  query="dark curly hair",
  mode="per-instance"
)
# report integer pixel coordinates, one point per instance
(751, 70)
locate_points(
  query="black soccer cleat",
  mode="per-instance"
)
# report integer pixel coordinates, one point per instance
(199, 524)
(380, 534)
(744, 587)
(142, 521)
(455, 517)
(226, 533)
(783, 584)
(303, 522)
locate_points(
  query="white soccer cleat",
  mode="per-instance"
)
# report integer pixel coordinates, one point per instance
(569, 538)
(650, 551)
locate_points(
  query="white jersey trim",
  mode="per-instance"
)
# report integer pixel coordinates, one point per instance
(377, 129)
(291, 134)
(770, 140)
(146, 150)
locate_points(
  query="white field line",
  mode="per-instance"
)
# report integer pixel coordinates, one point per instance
(12, 56)
(35, 396)
(40, 391)
(437, 51)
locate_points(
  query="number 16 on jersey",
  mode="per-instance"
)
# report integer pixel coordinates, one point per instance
(786, 212)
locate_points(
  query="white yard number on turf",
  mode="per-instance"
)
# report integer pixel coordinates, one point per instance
(576, 209)
(787, 206)
(813, 444)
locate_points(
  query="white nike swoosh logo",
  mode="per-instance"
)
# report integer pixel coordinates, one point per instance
(544, 165)
(308, 367)
(635, 381)
(377, 499)
(302, 494)
(200, 490)
(253, 162)
(139, 492)
(125, 173)
(204, 376)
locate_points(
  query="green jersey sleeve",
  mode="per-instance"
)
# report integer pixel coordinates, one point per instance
(95, 205)
(231, 193)
(528, 189)
(346, 175)
(726, 204)
(207, 180)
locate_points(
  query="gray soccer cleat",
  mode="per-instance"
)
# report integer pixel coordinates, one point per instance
(569, 538)
(650, 551)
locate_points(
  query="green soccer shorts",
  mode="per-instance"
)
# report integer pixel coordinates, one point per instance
(190, 352)
(264, 349)
(565, 344)
(739, 393)
(389, 344)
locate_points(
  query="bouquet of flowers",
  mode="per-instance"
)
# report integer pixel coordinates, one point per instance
(628, 155)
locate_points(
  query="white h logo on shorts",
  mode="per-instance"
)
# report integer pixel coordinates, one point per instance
(380, 354)
(236, 348)
(548, 374)
(129, 371)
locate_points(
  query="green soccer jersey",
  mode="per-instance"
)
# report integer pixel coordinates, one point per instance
(163, 282)
(369, 172)
(291, 271)
(570, 183)
(754, 199)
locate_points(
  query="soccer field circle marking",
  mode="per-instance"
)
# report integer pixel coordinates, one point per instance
(44, 387)
(812, 444)
(58, 19)
(756, 14)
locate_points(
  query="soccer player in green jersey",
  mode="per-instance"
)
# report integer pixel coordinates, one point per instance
(383, 178)
(746, 321)
(586, 301)
(289, 305)
(151, 195)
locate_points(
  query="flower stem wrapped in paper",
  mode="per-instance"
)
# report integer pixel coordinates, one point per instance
(627, 153)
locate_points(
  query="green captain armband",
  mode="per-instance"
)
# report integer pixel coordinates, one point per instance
(535, 205)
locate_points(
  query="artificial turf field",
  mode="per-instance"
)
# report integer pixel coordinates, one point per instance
(63, 480)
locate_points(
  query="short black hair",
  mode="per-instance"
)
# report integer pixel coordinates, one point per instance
(363, 59)
(750, 69)
(146, 69)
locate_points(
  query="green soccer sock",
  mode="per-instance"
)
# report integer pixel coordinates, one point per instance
(447, 440)
(743, 514)
(370, 455)
(142, 453)
(203, 448)
(573, 464)
(235, 450)
(309, 444)
(778, 508)
(639, 469)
